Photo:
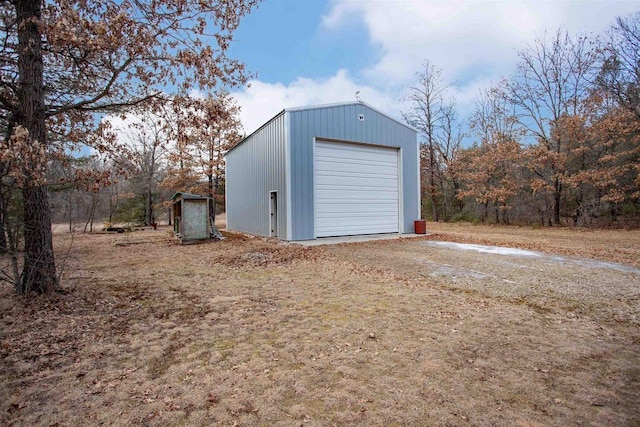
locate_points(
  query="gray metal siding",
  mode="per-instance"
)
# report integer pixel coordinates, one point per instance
(253, 169)
(341, 123)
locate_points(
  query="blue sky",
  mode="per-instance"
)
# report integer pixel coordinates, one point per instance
(308, 52)
(284, 40)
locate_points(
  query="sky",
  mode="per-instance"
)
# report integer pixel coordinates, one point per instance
(311, 52)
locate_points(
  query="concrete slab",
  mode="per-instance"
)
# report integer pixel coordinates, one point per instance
(355, 239)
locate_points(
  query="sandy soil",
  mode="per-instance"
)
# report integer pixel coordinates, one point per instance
(255, 332)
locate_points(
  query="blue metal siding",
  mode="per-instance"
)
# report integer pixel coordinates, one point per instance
(340, 122)
(253, 169)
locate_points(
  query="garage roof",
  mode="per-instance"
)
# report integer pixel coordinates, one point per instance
(314, 107)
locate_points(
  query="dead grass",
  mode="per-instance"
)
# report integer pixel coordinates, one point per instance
(255, 332)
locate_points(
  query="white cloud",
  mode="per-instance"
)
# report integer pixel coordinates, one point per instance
(197, 94)
(463, 38)
(260, 101)
(475, 42)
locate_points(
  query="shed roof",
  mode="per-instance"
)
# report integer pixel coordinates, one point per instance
(314, 107)
(189, 196)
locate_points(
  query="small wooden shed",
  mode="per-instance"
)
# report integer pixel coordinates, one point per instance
(191, 216)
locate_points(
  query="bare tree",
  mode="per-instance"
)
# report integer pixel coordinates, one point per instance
(146, 135)
(620, 74)
(494, 118)
(552, 82)
(449, 148)
(433, 115)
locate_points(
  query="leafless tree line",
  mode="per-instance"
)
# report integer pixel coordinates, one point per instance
(558, 142)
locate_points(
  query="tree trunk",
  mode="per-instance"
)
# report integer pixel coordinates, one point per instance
(433, 190)
(113, 204)
(92, 213)
(152, 164)
(149, 208)
(12, 238)
(39, 271)
(578, 213)
(212, 200)
(3, 234)
(456, 190)
(6, 194)
(70, 212)
(216, 188)
(557, 196)
(445, 206)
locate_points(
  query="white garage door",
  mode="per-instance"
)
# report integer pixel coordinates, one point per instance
(356, 189)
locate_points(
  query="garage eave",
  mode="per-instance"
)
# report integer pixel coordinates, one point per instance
(341, 104)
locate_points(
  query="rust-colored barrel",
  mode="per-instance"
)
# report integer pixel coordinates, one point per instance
(420, 226)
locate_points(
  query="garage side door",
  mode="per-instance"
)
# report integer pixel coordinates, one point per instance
(356, 189)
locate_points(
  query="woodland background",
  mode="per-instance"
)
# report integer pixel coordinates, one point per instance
(556, 143)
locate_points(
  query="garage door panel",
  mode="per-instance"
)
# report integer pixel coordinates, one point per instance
(356, 170)
(341, 161)
(356, 195)
(359, 205)
(354, 211)
(345, 219)
(342, 222)
(356, 189)
(351, 230)
(364, 182)
(357, 182)
(358, 152)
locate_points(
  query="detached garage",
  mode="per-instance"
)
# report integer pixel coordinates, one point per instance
(331, 170)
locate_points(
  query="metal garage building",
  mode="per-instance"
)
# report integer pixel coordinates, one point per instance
(330, 170)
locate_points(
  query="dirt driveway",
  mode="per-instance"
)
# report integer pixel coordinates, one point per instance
(255, 332)
(547, 282)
